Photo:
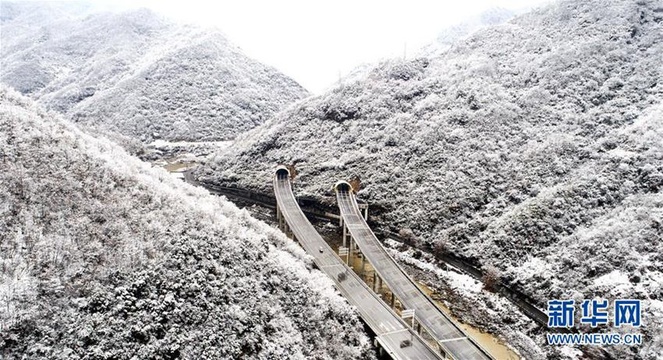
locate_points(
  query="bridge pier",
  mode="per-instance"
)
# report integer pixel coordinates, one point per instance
(363, 265)
(279, 218)
(345, 234)
(343, 253)
(375, 279)
(377, 283)
(283, 225)
(378, 345)
(364, 210)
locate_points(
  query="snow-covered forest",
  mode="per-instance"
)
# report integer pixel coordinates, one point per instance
(530, 148)
(103, 256)
(533, 147)
(453, 34)
(136, 73)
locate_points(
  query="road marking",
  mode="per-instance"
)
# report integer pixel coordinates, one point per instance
(456, 339)
(394, 332)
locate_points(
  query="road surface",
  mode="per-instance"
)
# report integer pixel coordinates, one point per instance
(390, 329)
(448, 335)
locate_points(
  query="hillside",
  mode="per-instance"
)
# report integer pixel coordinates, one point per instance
(137, 74)
(453, 34)
(103, 256)
(534, 146)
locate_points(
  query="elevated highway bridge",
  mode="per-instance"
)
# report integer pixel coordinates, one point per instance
(450, 339)
(393, 336)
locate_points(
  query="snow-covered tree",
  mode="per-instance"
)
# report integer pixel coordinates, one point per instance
(534, 146)
(103, 256)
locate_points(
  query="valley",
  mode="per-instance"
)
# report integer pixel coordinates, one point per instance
(164, 194)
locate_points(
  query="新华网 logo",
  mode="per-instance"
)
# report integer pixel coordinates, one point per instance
(595, 313)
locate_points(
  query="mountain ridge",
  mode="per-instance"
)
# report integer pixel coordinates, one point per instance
(140, 75)
(501, 150)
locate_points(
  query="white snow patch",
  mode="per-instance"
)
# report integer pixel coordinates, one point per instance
(169, 144)
(535, 265)
(570, 352)
(620, 153)
(616, 281)
(463, 283)
(613, 278)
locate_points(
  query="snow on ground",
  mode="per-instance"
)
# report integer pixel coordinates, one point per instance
(616, 279)
(466, 285)
(105, 256)
(472, 305)
(160, 143)
(571, 353)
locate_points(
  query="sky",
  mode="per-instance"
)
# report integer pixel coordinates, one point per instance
(315, 41)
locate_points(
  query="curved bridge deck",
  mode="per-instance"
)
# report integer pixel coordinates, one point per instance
(390, 330)
(449, 337)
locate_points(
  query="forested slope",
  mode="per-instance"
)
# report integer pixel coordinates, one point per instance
(137, 74)
(102, 256)
(534, 146)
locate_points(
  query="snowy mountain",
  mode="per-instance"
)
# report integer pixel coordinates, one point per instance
(534, 146)
(449, 36)
(138, 74)
(102, 256)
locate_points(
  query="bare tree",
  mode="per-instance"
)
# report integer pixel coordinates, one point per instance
(491, 277)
